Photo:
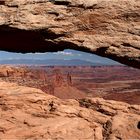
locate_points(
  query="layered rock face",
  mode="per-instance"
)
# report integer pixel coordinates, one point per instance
(108, 28)
(8, 71)
(28, 113)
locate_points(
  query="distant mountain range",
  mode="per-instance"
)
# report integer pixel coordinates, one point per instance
(50, 62)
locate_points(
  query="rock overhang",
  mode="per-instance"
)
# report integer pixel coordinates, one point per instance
(106, 28)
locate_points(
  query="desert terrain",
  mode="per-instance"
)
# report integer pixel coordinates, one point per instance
(31, 114)
(69, 102)
(120, 83)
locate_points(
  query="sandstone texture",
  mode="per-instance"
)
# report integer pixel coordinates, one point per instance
(109, 28)
(28, 113)
(8, 71)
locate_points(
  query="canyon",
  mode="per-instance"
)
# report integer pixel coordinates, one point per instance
(92, 103)
(69, 102)
(120, 83)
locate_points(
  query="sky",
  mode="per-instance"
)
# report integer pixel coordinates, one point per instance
(66, 54)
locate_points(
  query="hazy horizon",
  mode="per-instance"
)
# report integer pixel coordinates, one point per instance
(60, 55)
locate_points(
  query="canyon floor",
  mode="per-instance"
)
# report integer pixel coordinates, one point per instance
(120, 83)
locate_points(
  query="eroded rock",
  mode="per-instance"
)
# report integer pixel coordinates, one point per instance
(29, 113)
(108, 28)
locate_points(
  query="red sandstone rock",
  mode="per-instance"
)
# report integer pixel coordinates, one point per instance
(29, 113)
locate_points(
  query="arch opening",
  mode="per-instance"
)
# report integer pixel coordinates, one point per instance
(72, 74)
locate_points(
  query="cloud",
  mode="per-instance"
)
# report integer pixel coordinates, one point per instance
(37, 53)
(79, 54)
(64, 53)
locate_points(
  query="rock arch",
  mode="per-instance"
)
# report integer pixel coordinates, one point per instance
(106, 28)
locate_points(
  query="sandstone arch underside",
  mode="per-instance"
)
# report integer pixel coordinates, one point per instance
(109, 28)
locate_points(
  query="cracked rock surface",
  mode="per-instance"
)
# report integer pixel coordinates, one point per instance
(28, 113)
(108, 28)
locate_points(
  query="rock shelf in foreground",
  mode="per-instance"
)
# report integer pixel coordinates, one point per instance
(29, 113)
